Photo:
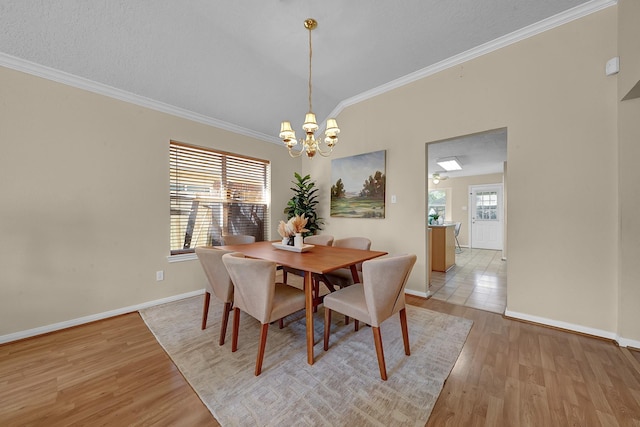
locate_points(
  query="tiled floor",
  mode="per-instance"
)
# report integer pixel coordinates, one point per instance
(478, 280)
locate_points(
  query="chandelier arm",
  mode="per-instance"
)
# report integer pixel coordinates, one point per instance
(326, 153)
(295, 156)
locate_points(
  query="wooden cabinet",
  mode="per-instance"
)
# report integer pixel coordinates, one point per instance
(443, 245)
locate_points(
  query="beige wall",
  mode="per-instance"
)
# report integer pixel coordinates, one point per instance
(85, 205)
(84, 212)
(551, 93)
(629, 172)
(458, 199)
(628, 45)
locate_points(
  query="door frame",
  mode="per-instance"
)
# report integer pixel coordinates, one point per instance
(501, 209)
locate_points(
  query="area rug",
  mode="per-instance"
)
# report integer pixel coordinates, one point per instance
(343, 386)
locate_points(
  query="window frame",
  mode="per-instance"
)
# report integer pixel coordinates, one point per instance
(440, 209)
(225, 182)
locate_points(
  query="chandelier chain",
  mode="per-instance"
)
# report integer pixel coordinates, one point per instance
(310, 55)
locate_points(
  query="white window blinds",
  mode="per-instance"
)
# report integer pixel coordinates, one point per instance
(213, 194)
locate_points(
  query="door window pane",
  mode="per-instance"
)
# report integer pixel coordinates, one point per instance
(487, 205)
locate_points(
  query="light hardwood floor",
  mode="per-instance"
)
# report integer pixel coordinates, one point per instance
(509, 373)
(513, 373)
(478, 280)
(111, 372)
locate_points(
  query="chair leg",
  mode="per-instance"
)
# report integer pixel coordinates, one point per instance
(327, 328)
(377, 338)
(205, 309)
(281, 322)
(236, 326)
(327, 283)
(263, 343)
(356, 323)
(405, 331)
(316, 294)
(225, 320)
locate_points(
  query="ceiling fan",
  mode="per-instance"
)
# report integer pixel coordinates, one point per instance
(436, 178)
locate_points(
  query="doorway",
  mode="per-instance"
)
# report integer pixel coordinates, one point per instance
(474, 196)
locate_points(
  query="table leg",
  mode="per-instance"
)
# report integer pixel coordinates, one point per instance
(308, 305)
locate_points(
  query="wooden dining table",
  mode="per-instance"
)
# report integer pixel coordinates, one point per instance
(318, 259)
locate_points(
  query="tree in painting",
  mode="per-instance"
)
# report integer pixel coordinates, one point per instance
(337, 190)
(373, 187)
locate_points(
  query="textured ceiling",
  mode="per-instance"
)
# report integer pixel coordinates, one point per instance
(244, 64)
(479, 154)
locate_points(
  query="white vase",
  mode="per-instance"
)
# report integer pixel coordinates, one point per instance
(285, 240)
(298, 241)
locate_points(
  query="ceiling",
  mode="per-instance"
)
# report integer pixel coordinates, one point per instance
(479, 154)
(243, 65)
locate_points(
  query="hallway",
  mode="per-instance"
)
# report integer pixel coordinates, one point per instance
(478, 280)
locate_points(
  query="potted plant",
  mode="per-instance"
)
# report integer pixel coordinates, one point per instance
(303, 203)
(291, 231)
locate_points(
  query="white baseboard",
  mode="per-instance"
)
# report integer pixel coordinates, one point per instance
(622, 342)
(418, 293)
(92, 318)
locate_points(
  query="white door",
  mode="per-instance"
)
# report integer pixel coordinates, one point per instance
(486, 216)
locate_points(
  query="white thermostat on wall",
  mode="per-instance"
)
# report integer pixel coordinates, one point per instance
(613, 66)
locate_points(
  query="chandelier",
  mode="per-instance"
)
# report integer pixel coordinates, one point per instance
(310, 145)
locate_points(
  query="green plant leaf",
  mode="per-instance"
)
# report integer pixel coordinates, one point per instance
(304, 201)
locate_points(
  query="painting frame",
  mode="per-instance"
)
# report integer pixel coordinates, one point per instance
(358, 186)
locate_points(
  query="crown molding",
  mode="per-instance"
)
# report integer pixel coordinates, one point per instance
(63, 77)
(102, 89)
(514, 37)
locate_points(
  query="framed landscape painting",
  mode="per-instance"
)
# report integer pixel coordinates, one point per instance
(358, 185)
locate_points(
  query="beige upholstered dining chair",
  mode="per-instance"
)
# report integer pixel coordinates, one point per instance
(342, 277)
(319, 239)
(257, 294)
(237, 239)
(380, 296)
(218, 284)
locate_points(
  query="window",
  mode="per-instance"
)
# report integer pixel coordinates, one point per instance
(487, 205)
(213, 194)
(437, 202)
